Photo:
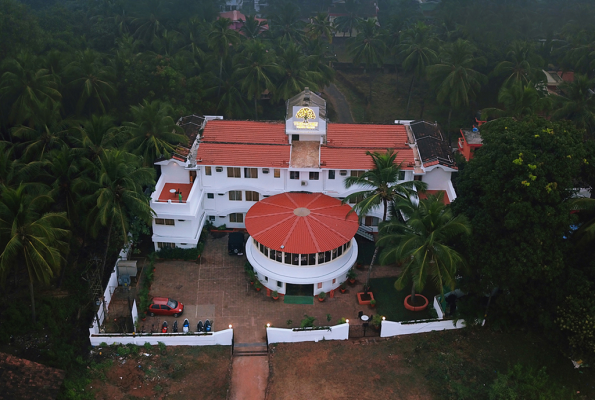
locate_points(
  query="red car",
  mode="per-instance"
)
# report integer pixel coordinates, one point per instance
(165, 306)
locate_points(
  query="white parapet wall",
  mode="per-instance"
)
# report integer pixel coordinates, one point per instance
(221, 338)
(281, 335)
(390, 328)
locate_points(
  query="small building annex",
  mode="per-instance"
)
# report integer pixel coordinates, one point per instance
(283, 181)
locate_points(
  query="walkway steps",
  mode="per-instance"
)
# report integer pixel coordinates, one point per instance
(250, 349)
(365, 232)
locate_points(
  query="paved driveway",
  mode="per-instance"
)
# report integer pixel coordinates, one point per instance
(217, 289)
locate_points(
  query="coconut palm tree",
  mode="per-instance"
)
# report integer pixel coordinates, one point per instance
(519, 101)
(578, 103)
(14, 172)
(294, 72)
(319, 26)
(285, 23)
(350, 16)
(253, 28)
(220, 39)
(92, 137)
(522, 65)
(368, 48)
(153, 133)
(380, 186)
(31, 238)
(320, 58)
(417, 53)
(423, 243)
(26, 87)
(94, 81)
(116, 193)
(256, 69)
(231, 102)
(454, 77)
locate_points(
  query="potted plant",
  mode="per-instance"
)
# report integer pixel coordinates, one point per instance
(359, 265)
(373, 303)
(258, 286)
(251, 277)
(376, 321)
(343, 287)
(275, 295)
(321, 296)
(351, 275)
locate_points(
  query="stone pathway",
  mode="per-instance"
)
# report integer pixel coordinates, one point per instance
(340, 104)
(249, 378)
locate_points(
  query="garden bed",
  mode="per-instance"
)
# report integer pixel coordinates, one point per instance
(390, 301)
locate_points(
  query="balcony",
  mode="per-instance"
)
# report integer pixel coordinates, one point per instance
(177, 199)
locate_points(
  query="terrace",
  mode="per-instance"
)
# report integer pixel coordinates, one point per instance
(175, 192)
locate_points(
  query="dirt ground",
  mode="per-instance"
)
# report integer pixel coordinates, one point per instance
(459, 364)
(178, 372)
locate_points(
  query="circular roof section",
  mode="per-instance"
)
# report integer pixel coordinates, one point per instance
(301, 222)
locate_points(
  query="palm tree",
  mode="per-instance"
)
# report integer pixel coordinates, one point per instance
(578, 103)
(519, 101)
(153, 132)
(31, 238)
(253, 28)
(94, 136)
(422, 242)
(256, 69)
(456, 80)
(14, 172)
(319, 26)
(26, 87)
(320, 58)
(380, 187)
(231, 103)
(220, 39)
(295, 73)
(523, 65)
(417, 53)
(349, 18)
(116, 193)
(285, 23)
(368, 47)
(92, 79)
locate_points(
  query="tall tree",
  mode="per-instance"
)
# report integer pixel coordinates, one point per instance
(31, 238)
(153, 132)
(454, 77)
(368, 48)
(220, 39)
(519, 101)
(349, 17)
(578, 103)
(423, 242)
(320, 26)
(380, 186)
(523, 65)
(285, 23)
(253, 28)
(294, 73)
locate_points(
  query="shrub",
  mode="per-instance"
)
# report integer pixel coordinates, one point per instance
(275, 293)
(321, 295)
(147, 346)
(527, 383)
(123, 351)
(307, 322)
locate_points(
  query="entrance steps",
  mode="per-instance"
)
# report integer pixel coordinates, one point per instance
(250, 349)
(365, 232)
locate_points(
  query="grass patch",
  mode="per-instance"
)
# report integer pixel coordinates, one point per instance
(390, 301)
(365, 250)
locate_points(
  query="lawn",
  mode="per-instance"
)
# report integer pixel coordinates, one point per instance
(180, 372)
(390, 301)
(460, 364)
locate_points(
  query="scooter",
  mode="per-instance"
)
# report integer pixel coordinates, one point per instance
(207, 326)
(164, 327)
(186, 325)
(200, 327)
(176, 326)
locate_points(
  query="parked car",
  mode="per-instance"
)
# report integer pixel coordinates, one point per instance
(165, 306)
(235, 244)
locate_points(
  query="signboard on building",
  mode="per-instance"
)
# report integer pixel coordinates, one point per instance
(305, 118)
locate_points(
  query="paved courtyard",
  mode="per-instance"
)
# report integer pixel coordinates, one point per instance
(217, 288)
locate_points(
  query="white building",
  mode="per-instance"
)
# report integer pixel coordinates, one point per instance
(232, 165)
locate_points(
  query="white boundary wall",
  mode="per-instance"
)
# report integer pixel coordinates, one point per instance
(281, 335)
(222, 338)
(390, 328)
(112, 284)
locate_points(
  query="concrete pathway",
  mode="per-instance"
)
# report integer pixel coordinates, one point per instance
(340, 104)
(249, 378)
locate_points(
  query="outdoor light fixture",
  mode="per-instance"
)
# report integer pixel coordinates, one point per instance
(384, 318)
(229, 326)
(347, 320)
(268, 325)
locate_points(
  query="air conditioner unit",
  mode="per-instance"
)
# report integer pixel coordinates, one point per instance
(304, 183)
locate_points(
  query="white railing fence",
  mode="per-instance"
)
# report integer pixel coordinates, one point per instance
(282, 335)
(221, 338)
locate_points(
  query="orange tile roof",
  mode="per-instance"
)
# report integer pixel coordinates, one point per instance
(445, 198)
(348, 158)
(243, 155)
(324, 226)
(245, 132)
(166, 195)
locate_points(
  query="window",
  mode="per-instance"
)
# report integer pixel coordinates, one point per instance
(219, 169)
(371, 221)
(294, 175)
(210, 195)
(319, 285)
(265, 170)
(343, 172)
(252, 196)
(277, 173)
(234, 172)
(266, 278)
(331, 174)
(208, 170)
(401, 175)
(295, 138)
(235, 195)
(273, 254)
(238, 218)
(192, 176)
(163, 245)
(356, 199)
(417, 178)
(250, 172)
(334, 280)
(314, 176)
(357, 173)
(279, 284)
(211, 218)
(161, 221)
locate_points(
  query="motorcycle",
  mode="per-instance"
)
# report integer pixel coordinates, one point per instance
(164, 327)
(200, 327)
(176, 326)
(186, 325)
(208, 326)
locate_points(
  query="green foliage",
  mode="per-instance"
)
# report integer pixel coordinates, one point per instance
(179, 253)
(575, 317)
(289, 322)
(307, 322)
(162, 346)
(147, 346)
(123, 351)
(376, 320)
(322, 295)
(351, 274)
(526, 383)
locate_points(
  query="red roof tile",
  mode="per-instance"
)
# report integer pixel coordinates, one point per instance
(184, 188)
(445, 198)
(243, 155)
(245, 132)
(323, 226)
(346, 158)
